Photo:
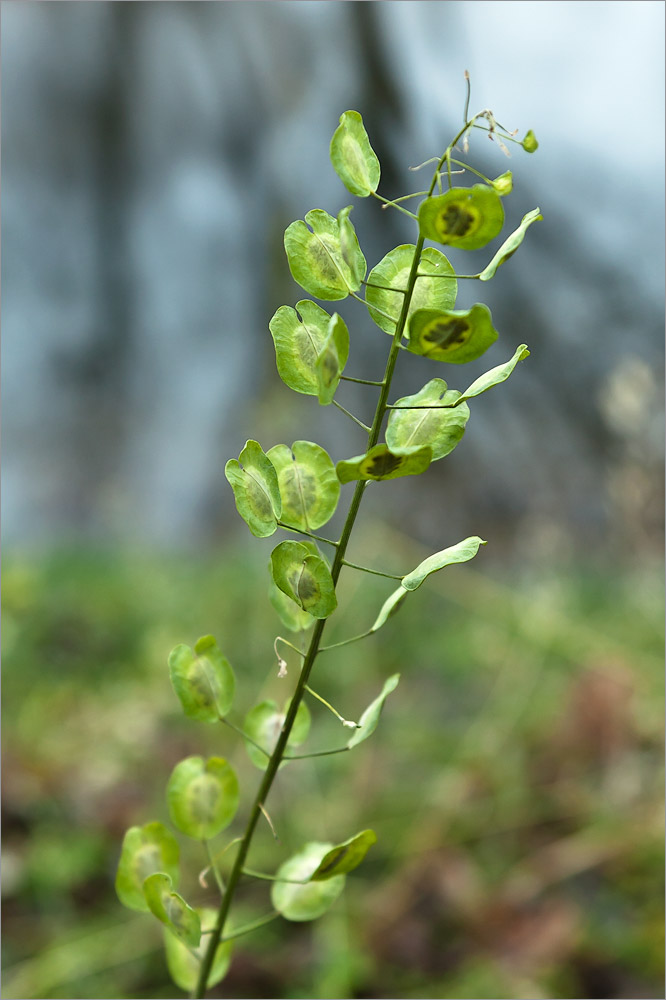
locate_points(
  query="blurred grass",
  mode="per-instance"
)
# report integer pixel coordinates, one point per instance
(514, 781)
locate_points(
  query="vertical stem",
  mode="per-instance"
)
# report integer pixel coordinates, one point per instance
(311, 655)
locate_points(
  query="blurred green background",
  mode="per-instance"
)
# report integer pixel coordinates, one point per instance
(152, 155)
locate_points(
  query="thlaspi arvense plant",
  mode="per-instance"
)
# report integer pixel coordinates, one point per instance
(409, 295)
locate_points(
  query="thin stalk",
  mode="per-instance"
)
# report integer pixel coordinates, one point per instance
(425, 163)
(362, 381)
(366, 569)
(472, 170)
(392, 204)
(351, 416)
(507, 137)
(204, 871)
(448, 170)
(266, 815)
(346, 642)
(384, 288)
(301, 531)
(369, 305)
(279, 638)
(273, 878)
(345, 722)
(427, 274)
(241, 732)
(246, 928)
(256, 811)
(279, 751)
(406, 197)
(435, 406)
(317, 753)
(212, 865)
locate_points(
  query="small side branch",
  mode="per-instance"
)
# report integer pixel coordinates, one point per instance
(282, 663)
(214, 860)
(268, 819)
(406, 197)
(246, 928)
(432, 159)
(212, 866)
(352, 417)
(448, 169)
(279, 638)
(441, 406)
(362, 381)
(366, 569)
(241, 732)
(467, 95)
(272, 878)
(369, 305)
(472, 170)
(426, 274)
(311, 534)
(392, 204)
(507, 136)
(383, 288)
(318, 753)
(346, 642)
(345, 722)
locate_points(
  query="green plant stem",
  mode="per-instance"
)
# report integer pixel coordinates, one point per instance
(256, 810)
(301, 531)
(507, 137)
(426, 274)
(362, 381)
(241, 732)
(392, 204)
(273, 878)
(380, 312)
(345, 722)
(472, 170)
(448, 169)
(406, 197)
(346, 642)
(383, 288)
(311, 655)
(246, 928)
(440, 406)
(351, 416)
(204, 871)
(279, 638)
(366, 569)
(212, 864)
(317, 753)
(264, 812)
(419, 166)
(468, 93)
